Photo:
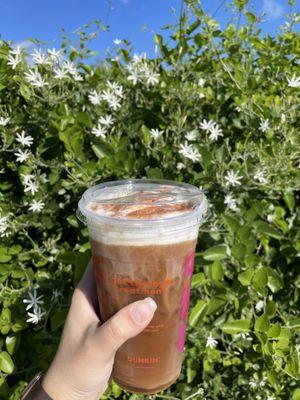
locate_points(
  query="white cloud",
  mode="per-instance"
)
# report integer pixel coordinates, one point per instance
(273, 9)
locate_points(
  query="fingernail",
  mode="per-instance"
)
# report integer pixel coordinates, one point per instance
(143, 310)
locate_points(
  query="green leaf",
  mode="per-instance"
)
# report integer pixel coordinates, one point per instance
(84, 118)
(232, 223)
(73, 140)
(294, 323)
(12, 343)
(102, 149)
(236, 326)
(215, 304)
(199, 279)
(154, 173)
(58, 319)
(262, 324)
(274, 330)
(238, 251)
(6, 363)
(4, 388)
(266, 229)
(270, 308)
(198, 312)
(251, 17)
(289, 200)
(246, 276)
(19, 325)
(296, 394)
(4, 258)
(25, 91)
(216, 271)
(260, 279)
(292, 367)
(216, 253)
(275, 282)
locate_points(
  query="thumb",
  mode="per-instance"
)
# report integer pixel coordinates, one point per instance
(125, 324)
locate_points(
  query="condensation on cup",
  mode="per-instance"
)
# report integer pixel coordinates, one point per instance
(143, 236)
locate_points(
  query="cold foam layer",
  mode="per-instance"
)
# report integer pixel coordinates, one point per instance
(117, 233)
(131, 215)
(113, 234)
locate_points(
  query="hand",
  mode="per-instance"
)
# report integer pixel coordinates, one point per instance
(83, 363)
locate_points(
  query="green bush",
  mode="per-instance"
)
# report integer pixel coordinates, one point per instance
(215, 108)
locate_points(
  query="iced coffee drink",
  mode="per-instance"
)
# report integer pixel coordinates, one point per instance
(143, 236)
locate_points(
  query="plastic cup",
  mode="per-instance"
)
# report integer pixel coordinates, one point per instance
(143, 236)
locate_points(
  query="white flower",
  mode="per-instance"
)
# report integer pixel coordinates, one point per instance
(99, 131)
(191, 136)
(180, 166)
(114, 103)
(36, 206)
(206, 125)
(107, 95)
(215, 132)
(230, 201)
(259, 306)
(260, 176)
(54, 54)
(4, 121)
(201, 82)
(119, 92)
(23, 139)
(35, 78)
(271, 218)
(253, 384)
(16, 51)
(36, 315)
(31, 186)
(56, 294)
(13, 61)
(155, 133)
(134, 77)
(294, 82)
(232, 178)
(69, 67)
(211, 342)
(27, 178)
(39, 58)
(188, 151)
(77, 77)
(95, 97)
(34, 301)
(238, 109)
(283, 118)
(117, 41)
(152, 78)
(201, 95)
(271, 398)
(4, 226)
(22, 155)
(60, 73)
(264, 125)
(106, 121)
(138, 58)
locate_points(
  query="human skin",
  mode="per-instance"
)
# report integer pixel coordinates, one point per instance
(83, 363)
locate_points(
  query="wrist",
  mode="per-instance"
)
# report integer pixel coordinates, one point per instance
(55, 387)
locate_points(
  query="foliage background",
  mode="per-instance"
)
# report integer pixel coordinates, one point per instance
(245, 293)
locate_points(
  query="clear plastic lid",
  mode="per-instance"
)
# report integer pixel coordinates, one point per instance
(141, 202)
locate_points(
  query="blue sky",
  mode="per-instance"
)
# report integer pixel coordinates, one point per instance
(135, 20)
